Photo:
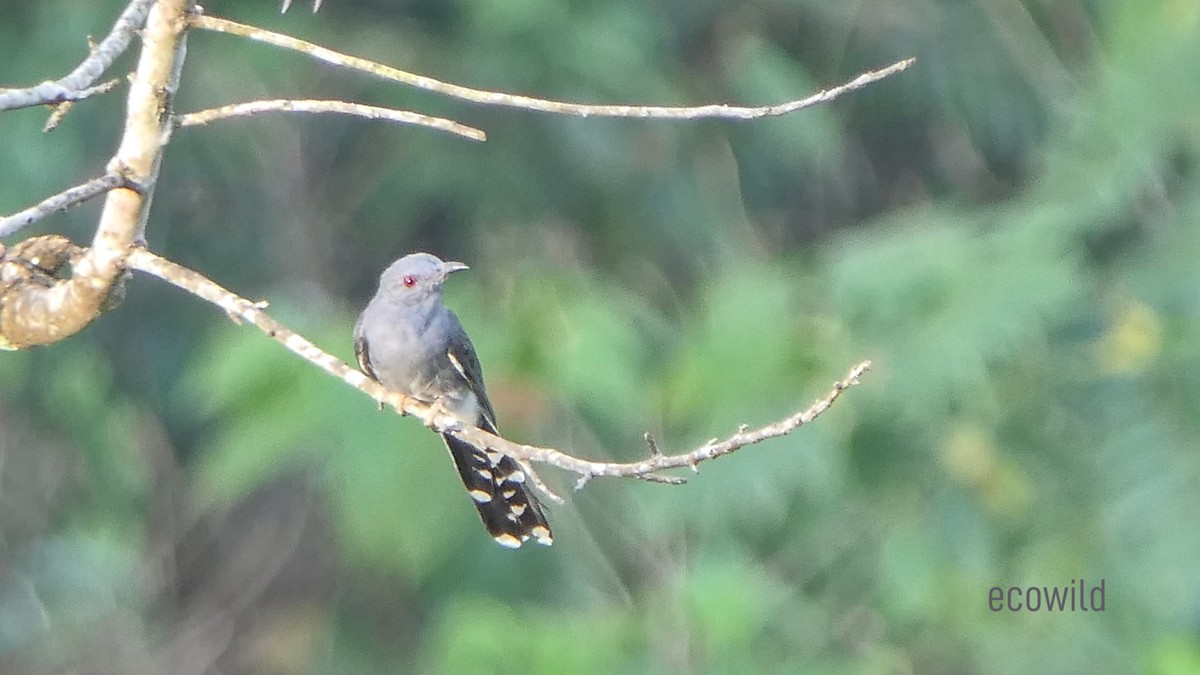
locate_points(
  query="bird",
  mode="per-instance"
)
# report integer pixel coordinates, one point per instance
(409, 341)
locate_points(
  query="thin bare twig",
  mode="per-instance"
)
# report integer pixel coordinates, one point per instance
(718, 110)
(340, 107)
(658, 462)
(76, 85)
(61, 109)
(59, 202)
(240, 309)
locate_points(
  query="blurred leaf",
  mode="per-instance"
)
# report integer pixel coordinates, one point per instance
(1173, 655)
(728, 605)
(470, 632)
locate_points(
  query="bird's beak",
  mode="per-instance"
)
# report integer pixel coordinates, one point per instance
(453, 266)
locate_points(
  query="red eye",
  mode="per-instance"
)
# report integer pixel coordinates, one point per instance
(409, 281)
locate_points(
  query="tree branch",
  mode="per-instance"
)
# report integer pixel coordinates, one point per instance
(32, 313)
(77, 84)
(240, 309)
(340, 107)
(37, 306)
(718, 110)
(59, 202)
(37, 313)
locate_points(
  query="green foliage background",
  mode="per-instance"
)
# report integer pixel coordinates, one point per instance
(1008, 230)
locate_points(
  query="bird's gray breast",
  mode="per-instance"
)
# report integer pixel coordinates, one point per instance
(408, 346)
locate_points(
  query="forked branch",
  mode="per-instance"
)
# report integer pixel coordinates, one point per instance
(37, 311)
(78, 83)
(715, 110)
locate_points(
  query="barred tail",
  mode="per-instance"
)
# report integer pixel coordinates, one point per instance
(496, 484)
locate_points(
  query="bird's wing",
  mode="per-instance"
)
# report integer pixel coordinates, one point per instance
(462, 356)
(362, 352)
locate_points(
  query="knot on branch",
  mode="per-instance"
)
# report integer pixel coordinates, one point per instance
(40, 303)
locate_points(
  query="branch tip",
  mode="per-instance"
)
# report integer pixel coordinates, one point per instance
(654, 451)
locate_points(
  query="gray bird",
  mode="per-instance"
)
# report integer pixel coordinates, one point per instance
(410, 342)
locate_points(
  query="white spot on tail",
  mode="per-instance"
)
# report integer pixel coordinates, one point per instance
(507, 540)
(480, 496)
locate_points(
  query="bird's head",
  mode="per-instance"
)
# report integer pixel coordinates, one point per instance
(417, 277)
